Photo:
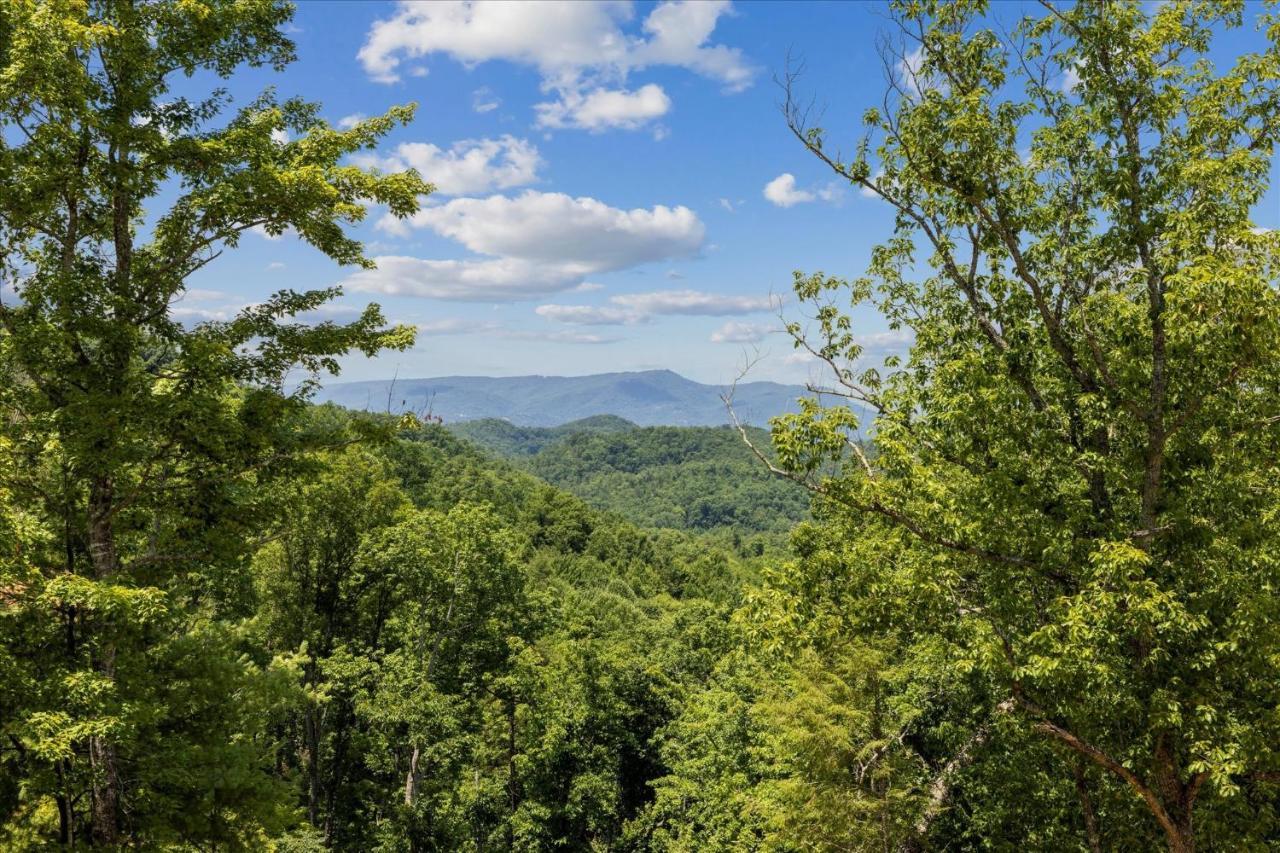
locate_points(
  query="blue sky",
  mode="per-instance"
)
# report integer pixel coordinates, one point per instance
(614, 190)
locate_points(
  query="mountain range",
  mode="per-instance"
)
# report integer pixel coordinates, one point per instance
(645, 398)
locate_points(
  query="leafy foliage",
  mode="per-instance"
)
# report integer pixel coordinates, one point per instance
(697, 478)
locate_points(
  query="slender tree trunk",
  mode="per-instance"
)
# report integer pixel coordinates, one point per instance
(943, 785)
(311, 733)
(102, 753)
(66, 817)
(1086, 806)
(1179, 797)
(411, 778)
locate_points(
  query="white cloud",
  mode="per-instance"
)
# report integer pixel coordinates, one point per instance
(602, 109)
(630, 308)
(497, 280)
(1071, 77)
(734, 332)
(191, 316)
(782, 191)
(577, 47)
(261, 231)
(867, 192)
(279, 136)
(535, 244)
(799, 357)
(678, 35)
(728, 205)
(560, 337)
(454, 326)
(196, 294)
(459, 326)
(348, 122)
(484, 101)
(581, 234)
(692, 302)
(204, 312)
(469, 166)
(831, 192)
(880, 344)
(275, 265)
(588, 315)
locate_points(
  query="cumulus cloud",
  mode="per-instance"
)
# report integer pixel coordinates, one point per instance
(578, 233)
(630, 308)
(497, 280)
(783, 192)
(350, 121)
(914, 78)
(734, 332)
(578, 48)
(469, 166)
(877, 345)
(588, 315)
(692, 302)
(535, 243)
(602, 109)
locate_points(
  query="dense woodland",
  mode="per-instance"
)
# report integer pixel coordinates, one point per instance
(1034, 610)
(704, 478)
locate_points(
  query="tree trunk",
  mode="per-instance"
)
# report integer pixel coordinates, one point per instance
(942, 787)
(1086, 806)
(311, 732)
(105, 827)
(411, 778)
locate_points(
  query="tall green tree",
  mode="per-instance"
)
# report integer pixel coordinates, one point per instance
(1072, 486)
(138, 440)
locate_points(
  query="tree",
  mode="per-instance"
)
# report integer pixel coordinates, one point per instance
(138, 438)
(1072, 477)
(459, 600)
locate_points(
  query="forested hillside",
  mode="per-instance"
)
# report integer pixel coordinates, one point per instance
(700, 478)
(1032, 605)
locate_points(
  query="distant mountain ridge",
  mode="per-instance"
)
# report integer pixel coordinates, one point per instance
(646, 398)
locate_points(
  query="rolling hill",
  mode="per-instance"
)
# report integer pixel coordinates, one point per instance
(693, 478)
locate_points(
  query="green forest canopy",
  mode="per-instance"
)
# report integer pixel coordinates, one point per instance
(1037, 612)
(701, 478)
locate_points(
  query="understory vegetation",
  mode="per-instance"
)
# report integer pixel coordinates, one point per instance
(1015, 590)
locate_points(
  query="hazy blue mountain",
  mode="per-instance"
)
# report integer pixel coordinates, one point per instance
(648, 398)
